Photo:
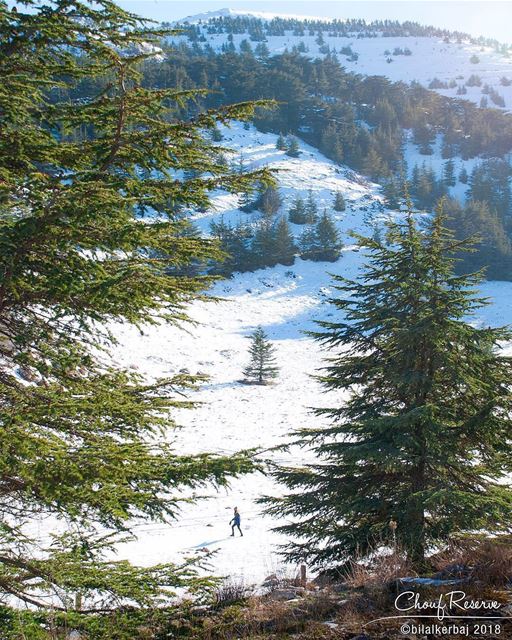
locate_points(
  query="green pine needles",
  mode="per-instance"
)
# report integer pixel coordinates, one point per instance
(261, 368)
(85, 152)
(424, 438)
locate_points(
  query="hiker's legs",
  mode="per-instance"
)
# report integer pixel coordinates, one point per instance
(238, 526)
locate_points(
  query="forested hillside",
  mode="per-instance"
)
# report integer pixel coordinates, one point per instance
(479, 69)
(391, 132)
(384, 130)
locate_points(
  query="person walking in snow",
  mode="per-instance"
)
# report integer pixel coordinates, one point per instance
(235, 522)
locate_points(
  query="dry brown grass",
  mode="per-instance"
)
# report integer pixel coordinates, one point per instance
(262, 616)
(232, 592)
(378, 571)
(486, 562)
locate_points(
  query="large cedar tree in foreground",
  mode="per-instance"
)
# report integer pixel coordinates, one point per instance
(84, 152)
(424, 437)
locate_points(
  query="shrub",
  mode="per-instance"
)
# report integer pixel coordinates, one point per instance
(488, 562)
(379, 571)
(231, 592)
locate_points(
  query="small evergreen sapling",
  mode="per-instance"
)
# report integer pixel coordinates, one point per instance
(261, 368)
(339, 202)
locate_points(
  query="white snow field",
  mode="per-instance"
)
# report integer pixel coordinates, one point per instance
(232, 416)
(432, 57)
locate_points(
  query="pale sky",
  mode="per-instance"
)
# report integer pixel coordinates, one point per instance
(492, 18)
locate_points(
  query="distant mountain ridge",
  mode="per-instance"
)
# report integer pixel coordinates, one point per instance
(228, 12)
(407, 27)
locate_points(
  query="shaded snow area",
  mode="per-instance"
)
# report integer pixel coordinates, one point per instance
(285, 301)
(431, 58)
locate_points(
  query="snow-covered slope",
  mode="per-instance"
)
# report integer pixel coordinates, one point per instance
(285, 301)
(311, 170)
(448, 60)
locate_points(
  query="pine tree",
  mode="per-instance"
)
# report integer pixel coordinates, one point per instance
(415, 180)
(269, 201)
(284, 246)
(222, 161)
(373, 165)
(448, 149)
(426, 188)
(449, 173)
(292, 148)
(261, 368)
(262, 51)
(82, 440)
(216, 135)
(236, 244)
(463, 176)
(239, 249)
(246, 201)
(281, 144)
(308, 245)
(493, 249)
(245, 48)
(424, 437)
(339, 202)
(263, 245)
(424, 136)
(331, 143)
(328, 240)
(377, 234)
(490, 182)
(311, 208)
(392, 192)
(297, 212)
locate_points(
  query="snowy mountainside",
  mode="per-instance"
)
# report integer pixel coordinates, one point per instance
(445, 64)
(311, 170)
(285, 300)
